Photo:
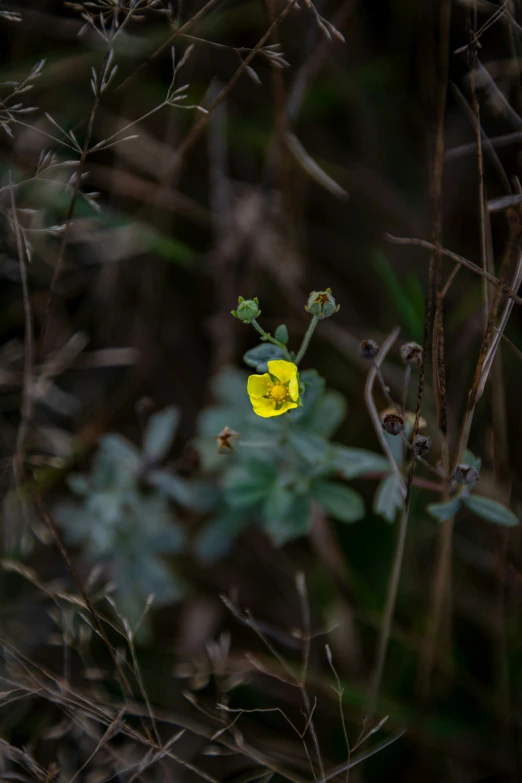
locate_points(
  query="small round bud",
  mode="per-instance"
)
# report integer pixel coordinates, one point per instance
(368, 349)
(465, 474)
(411, 354)
(247, 310)
(322, 304)
(393, 424)
(421, 445)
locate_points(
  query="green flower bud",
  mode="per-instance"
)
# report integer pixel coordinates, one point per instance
(247, 310)
(322, 304)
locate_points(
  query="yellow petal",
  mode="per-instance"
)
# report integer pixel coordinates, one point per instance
(286, 406)
(283, 370)
(264, 407)
(293, 388)
(258, 385)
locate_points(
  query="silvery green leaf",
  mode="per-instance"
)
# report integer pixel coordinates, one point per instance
(216, 538)
(277, 503)
(246, 485)
(312, 448)
(340, 502)
(443, 511)
(168, 540)
(328, 414)
(213, 420)
(172, 485)
(468, 458)
(229, 388)
(491, 510)
(197, 495)
(295, 523)
(312, 390)
(259, 356)
(397, 447)
(281, 334)
(160, 433)
(78, 483)
(121, 451)
(388, 498)
(358, 462)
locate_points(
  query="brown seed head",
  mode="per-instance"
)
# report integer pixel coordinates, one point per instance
(465, 474)
(393, 424)
(368, 349)
(411, 354)
(421, 445)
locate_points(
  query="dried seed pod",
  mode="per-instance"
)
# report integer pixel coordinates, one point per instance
(411, 354)
(421, 445)
(465, 474)
(227, 440)
(368, 349)
(393, 423)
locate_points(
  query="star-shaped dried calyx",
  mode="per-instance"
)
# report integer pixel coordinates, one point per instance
(227, 440)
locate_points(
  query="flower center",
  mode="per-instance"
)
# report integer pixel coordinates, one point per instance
(278, 393)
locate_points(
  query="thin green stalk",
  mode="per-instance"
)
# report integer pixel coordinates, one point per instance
(268, 337)
(307, 338)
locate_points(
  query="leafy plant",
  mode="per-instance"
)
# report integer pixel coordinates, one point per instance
(125, 517)
(281, 466)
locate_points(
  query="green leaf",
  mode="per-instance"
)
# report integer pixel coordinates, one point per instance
(468, 458)
(216, 539)
(388, 498)
(119, 450)
(168, 540)
(328, 414)
(246, 485)
(295, 523)
(160, 433)
(342, 503)
(310, 447)
(229, 387)
(278, 502)
(174, 486)
(411, 318)
(491, 510)
(281, 334)
(443, 511)
(78, 483)
(259, 356)
(358, 462)
(312, 391)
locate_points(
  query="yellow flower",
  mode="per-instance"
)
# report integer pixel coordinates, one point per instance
(275, 392)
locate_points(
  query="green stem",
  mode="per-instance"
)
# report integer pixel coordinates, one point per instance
(285, 429)
(307, 338)
(270, 339)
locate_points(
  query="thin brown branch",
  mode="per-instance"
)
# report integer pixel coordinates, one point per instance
(439, 371)
(372, 410)
(201, 123)
(458, 260)
(74, 198)
(197, 16)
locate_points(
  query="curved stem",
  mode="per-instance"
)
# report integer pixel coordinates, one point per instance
(268, 337)
(306, 339)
